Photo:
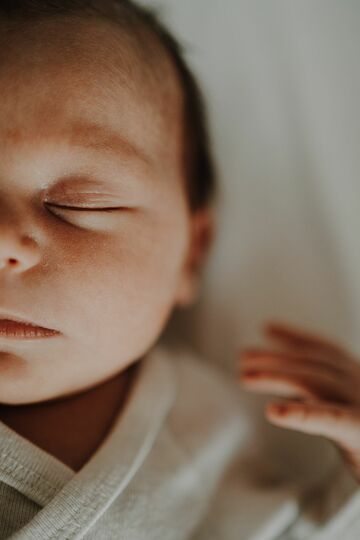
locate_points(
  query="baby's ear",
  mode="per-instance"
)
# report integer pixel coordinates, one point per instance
(202, 233)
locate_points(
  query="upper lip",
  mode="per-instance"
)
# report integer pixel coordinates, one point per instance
(22, 320)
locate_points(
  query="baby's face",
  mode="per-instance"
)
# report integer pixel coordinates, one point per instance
(107, 271)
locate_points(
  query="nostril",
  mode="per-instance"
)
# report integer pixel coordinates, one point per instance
(13, 262)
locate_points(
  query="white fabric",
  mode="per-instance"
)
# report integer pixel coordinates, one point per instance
(282, 80)
(173, 466)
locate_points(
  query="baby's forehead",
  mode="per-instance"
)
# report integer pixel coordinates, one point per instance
(94, 67)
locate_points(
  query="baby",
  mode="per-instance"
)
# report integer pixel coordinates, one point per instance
(106, 221)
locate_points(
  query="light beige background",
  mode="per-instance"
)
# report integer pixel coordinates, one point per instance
(282, 81)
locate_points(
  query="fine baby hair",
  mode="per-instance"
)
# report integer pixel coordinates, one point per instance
(137, 21)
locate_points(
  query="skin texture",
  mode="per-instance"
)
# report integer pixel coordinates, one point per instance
(107, 280)
(320, 379)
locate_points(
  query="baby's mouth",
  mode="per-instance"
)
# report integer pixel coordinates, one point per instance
(17, 329)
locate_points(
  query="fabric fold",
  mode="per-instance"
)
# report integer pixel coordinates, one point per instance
(88, 493)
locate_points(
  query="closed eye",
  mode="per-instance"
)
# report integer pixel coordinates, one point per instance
(87, 208)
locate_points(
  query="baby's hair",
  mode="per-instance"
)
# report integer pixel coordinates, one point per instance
(198, 159)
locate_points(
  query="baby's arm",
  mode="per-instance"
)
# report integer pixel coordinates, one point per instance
(320, 380)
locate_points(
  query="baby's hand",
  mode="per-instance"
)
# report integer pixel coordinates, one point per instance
(321, 381)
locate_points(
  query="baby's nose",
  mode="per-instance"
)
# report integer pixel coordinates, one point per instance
(17, 252)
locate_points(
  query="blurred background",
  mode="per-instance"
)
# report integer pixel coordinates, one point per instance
(282, 83)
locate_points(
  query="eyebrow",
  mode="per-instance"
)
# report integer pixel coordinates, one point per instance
(91, 135)
(103, 138)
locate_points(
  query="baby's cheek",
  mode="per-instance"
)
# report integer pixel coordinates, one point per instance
(127, 312)
(141, 287)
(137, 292)
(113, 286)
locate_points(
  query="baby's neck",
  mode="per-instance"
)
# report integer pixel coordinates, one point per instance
(73, 427)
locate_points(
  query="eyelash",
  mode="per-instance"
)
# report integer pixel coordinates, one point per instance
(87, 209)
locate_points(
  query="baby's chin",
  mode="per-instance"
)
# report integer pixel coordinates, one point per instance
(13, 374)
(20, 383)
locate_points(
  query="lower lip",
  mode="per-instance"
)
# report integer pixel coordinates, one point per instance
(16, 330)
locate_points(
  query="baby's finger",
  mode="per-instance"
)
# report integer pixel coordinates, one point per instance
(305, 383)
(339, 423)
(277, 384)
(261, 358)
(300, 339)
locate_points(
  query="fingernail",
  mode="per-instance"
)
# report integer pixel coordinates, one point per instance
(279, 408)
(250, 373)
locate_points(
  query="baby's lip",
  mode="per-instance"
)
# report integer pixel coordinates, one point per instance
(16, 327)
